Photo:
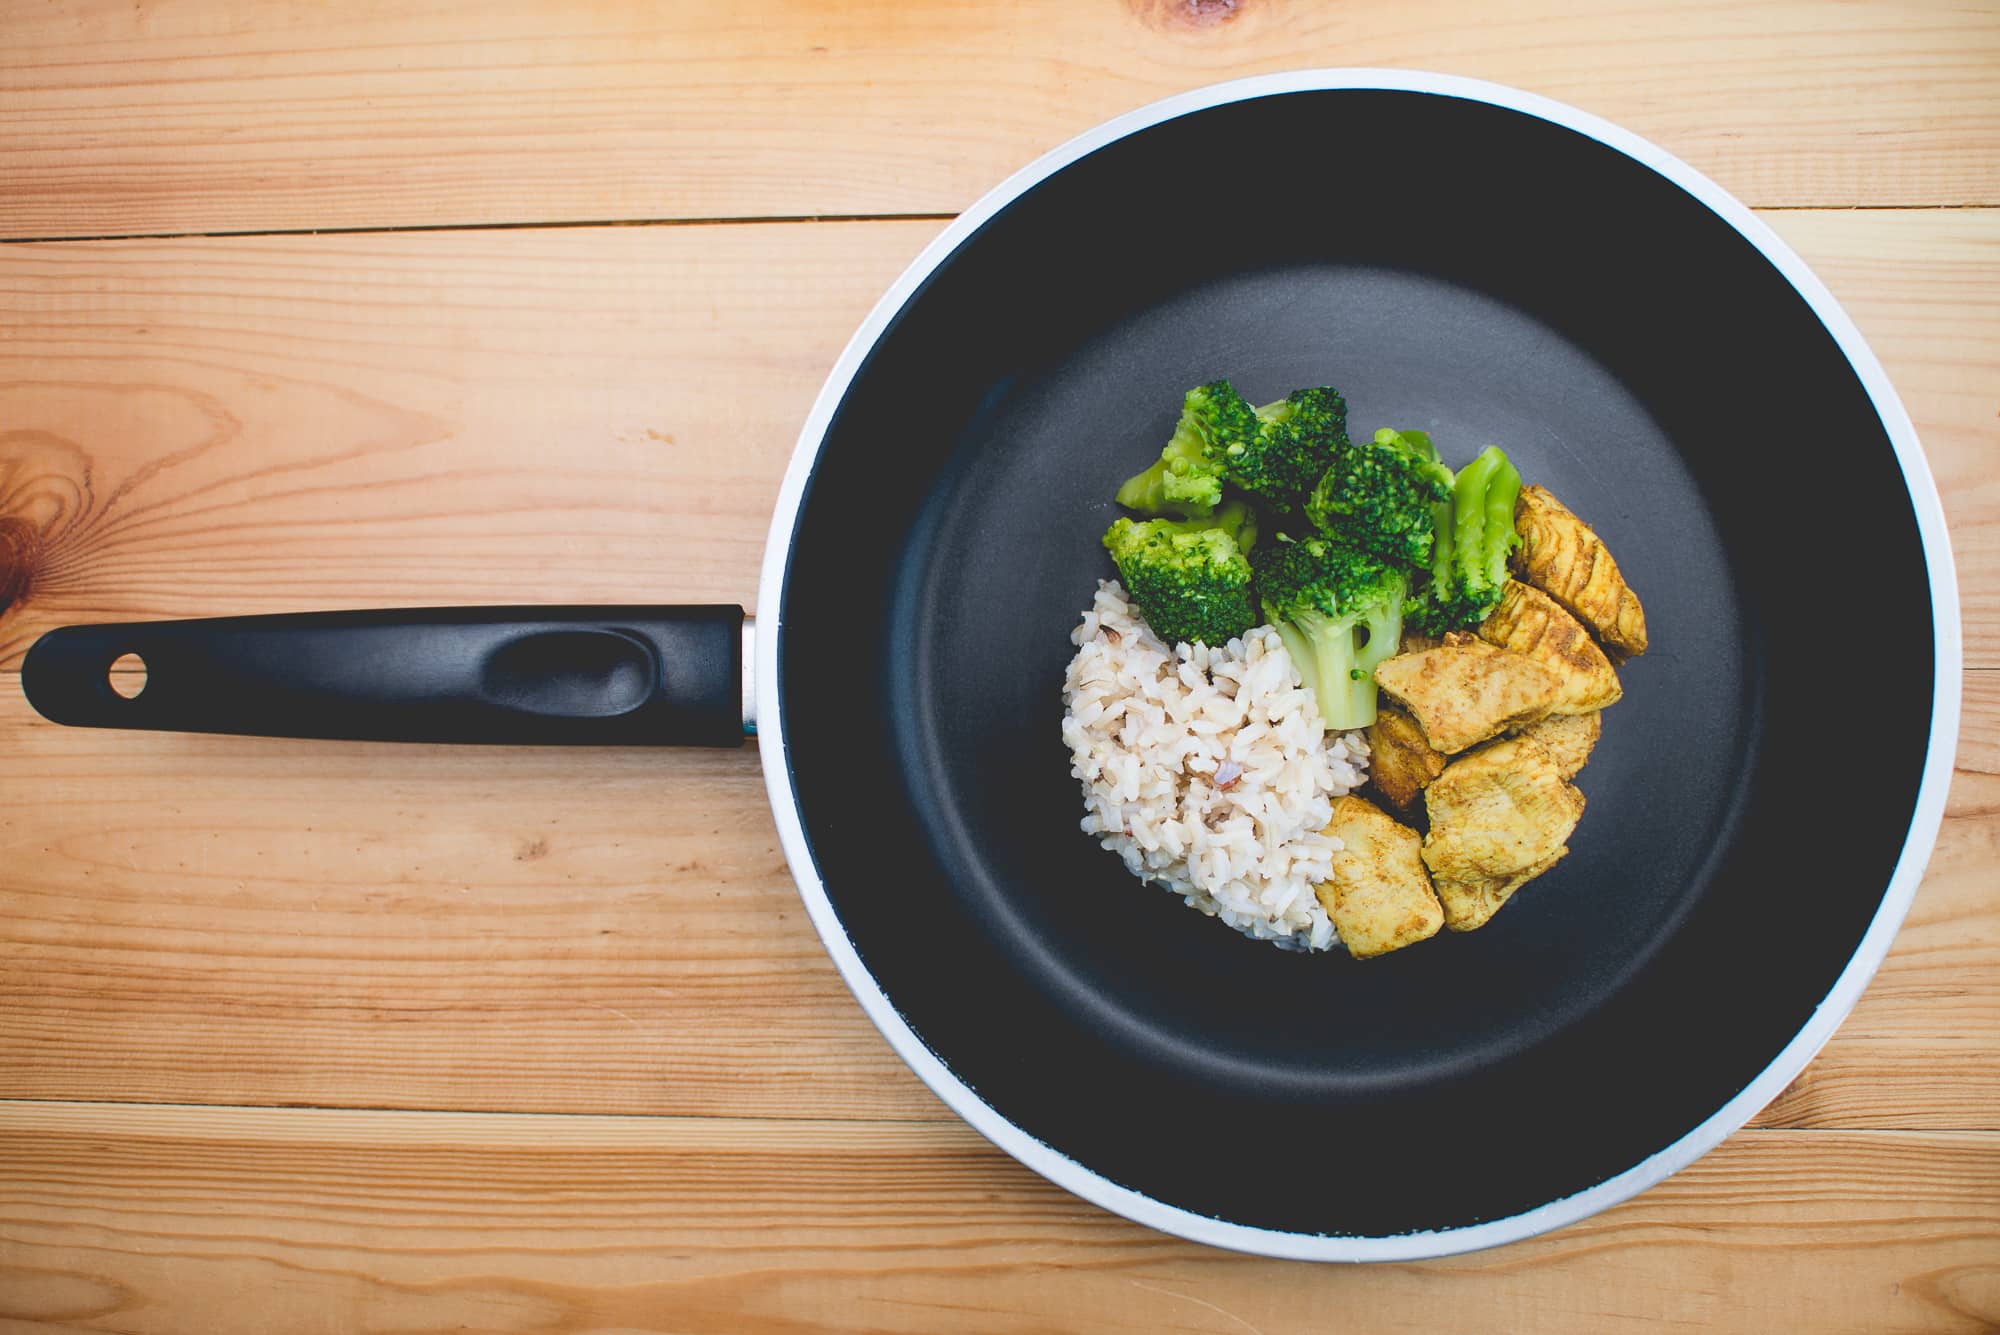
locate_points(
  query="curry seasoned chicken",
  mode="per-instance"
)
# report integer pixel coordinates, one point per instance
(1471, 904)
(1466, 690)
(1562, 557)
(1568, 738)
(1401, 763)
(1380, 897)
(1499, 818)
(1530, 622)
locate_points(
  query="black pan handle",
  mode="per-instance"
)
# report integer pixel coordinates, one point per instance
(562, 675)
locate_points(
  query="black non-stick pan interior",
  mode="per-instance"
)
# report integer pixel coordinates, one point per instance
(1491, 278)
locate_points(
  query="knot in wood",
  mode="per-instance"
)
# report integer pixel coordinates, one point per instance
(20, 550)
(1186, 15)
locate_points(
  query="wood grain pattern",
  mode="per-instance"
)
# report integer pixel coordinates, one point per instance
(239, 920)
(266, 424)
(128, 118)
(197, 426)
(1925, 291)
(236, 920)
(205, 426)
(307, 1221)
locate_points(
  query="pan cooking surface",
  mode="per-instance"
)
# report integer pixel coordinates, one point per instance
(1490, 278)
(1409, 351)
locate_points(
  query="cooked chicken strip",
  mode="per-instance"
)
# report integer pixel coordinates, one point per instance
(1499, 817)
(1528, 621)
(1401, 763)
(1562, 557)
(1568, 738)
(1471, 904)
(1380, 896)
(1466, 690)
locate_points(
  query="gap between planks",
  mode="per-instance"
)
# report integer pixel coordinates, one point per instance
(448, 1126)
(750, 220)
(559, 225)
(244, 1122)
(15, 1108)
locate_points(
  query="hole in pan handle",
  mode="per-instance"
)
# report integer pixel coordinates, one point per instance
(611, 676)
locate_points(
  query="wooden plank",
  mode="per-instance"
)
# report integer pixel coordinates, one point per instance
(132, 1218)
(1922, 1047)
(237, 920)
(261, 424)
(198, 427)
(1926, 293)
(130, 119)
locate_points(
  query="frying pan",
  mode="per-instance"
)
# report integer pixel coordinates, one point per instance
(1457, 257)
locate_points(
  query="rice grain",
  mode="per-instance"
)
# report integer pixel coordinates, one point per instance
(1207, 769)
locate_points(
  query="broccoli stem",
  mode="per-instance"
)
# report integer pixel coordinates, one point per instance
(1385, 638)
(1442, 545)
(1335, 664)
(1147, 491)
(1232, 518)
(1468, 505)
(1503, 489)
(1238, 520)
(1483, 519)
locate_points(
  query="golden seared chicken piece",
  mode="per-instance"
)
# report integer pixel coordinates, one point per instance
(1568, 738)
(1400, 762)
(1415, 642)
(1561, 556)
(1466, 690)
(1380, 896)
(1469, 905)
(1529, 622)
(1499, 818)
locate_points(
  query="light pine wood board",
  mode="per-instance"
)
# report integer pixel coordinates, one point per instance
(137, 1219)
(203, 426)
(560, 416)
(239, 920)
(341, 421)
(126, 118)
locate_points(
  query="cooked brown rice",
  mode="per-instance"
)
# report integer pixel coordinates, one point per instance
(1207, 769)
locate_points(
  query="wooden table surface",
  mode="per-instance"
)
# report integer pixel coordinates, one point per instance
(431, 301)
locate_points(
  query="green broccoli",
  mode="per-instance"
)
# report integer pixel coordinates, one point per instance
(1187, 478)
(1234, 517)
(1382, 495)
(1469, 560)
(1190, 580)
(1296, 440)
(1339, 611)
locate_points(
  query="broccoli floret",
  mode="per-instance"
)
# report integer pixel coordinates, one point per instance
(1469, 559)
(1339, 611)
(1187, 478)
(1417, 443)
(1296, 440)
(1234, 517)
(1382, 494)
(1190, 580)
